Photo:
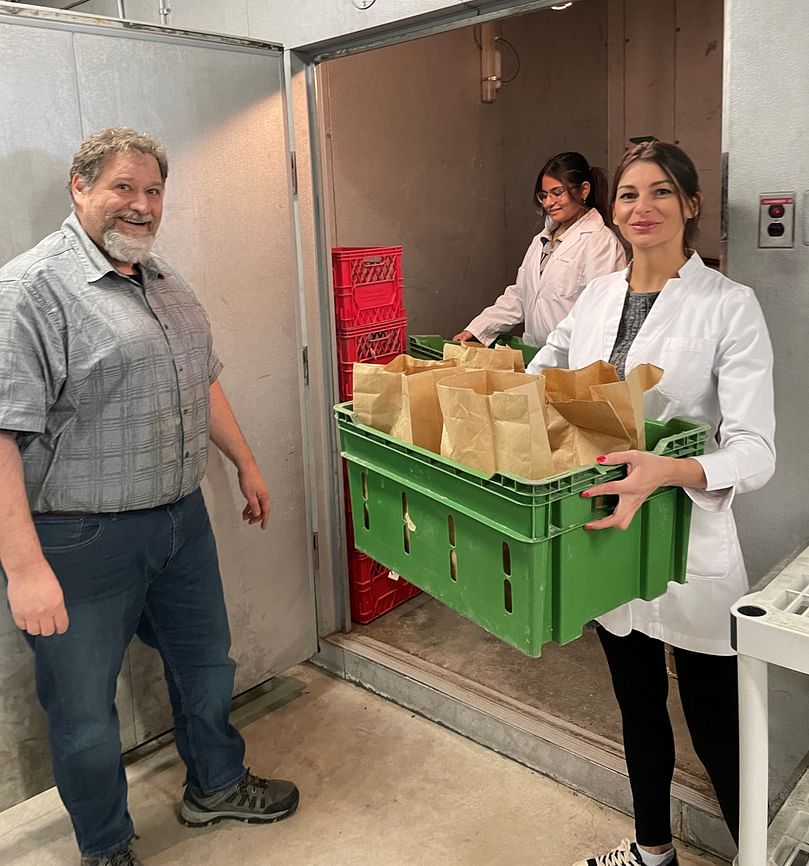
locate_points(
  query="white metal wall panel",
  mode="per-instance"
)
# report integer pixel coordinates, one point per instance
(765, 132)
(766, 128)
(35, 148)
(228, 229)
(213, 15)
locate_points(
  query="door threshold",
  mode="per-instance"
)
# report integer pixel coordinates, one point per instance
(554, 747)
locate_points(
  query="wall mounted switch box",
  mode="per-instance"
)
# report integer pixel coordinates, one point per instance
(776, 220)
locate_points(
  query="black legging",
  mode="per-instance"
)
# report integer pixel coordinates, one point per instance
(709, 693)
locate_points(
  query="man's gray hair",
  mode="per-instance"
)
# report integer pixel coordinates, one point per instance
(95, 151)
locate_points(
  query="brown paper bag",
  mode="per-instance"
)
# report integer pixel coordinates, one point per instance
(474, 356)
(627, 399)
(399, 398)
(592, 412)
(494, 421)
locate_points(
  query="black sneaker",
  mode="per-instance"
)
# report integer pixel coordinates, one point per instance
(122, 857)
(626, 854)
(254, 800)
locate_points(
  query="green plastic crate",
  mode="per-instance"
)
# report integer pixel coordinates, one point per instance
(509, 554)
(431, 346)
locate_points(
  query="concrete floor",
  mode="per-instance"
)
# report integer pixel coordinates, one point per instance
(379, 787)
(570, 682)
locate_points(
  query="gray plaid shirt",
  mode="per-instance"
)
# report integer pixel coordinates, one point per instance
(105, 382)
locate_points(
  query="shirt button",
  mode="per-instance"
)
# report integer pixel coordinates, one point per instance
(181, 369)
(187, 453)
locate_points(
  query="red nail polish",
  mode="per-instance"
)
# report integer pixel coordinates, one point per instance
(587, 526)
(585, 495)
(600, 459)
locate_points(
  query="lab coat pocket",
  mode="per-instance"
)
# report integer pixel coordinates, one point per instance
(687, 364)
(568, 276)
(710, 543)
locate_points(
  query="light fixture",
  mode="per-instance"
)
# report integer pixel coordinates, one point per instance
(560, 7)
(491, 64)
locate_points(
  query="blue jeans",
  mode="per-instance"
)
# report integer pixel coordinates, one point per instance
(153, 573)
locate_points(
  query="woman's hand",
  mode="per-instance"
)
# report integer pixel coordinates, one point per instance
(645, 473)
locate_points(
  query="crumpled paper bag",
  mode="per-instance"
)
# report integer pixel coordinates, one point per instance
(400, 398)
(494, 421)
(592, 412)
(474, 356)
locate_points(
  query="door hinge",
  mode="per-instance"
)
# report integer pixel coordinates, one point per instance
(293, 164)
(305, 359)
(315, 551)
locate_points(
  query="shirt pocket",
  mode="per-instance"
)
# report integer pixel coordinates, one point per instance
(687, 364)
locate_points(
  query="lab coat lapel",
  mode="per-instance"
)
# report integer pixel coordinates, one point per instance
(614, 300)
(673, 299)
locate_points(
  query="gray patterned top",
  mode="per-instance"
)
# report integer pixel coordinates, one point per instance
(636, 309)
(105, 382)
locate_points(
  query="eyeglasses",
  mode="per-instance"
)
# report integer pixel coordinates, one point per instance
(555, 193)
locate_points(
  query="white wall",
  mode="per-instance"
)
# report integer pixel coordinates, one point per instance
(766, 132)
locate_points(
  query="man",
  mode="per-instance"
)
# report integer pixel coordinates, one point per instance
(108, 396)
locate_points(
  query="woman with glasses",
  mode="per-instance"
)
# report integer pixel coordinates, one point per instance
(709, 336)
(575, 246)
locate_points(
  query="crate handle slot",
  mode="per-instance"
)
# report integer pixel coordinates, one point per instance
(373, 260)
(507, 561)
(366, 516)
(507, 597)
(604, 505)
(451, 530)
(407, 524)
(453, 566)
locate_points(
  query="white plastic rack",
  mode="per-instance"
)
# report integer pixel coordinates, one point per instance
(769, 627)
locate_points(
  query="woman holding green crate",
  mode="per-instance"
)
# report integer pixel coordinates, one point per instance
(709, 336)
(575, 246)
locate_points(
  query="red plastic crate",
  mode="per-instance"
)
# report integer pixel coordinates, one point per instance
(372, 342)
(367, 285)
(372, 592)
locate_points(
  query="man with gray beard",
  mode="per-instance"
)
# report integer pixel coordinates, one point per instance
(108, 398)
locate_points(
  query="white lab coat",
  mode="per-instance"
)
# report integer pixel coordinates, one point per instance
(709, 336)
(588, 249)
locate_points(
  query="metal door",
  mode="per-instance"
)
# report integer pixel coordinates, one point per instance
(219, 106)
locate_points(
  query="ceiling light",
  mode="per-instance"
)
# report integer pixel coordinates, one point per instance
(560, 7)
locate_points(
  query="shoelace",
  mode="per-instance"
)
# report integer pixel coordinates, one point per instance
(253, 785)
(252, 791)
(620, 856)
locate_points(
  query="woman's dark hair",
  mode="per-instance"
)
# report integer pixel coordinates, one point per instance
(571, 169)
(676, 164)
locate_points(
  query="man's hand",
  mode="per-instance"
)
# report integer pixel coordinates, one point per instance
(465, 337)
(257, 495)
(37, 602)
(645, 473)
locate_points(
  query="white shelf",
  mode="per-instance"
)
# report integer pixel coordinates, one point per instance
(773, 624)
(770, 626)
